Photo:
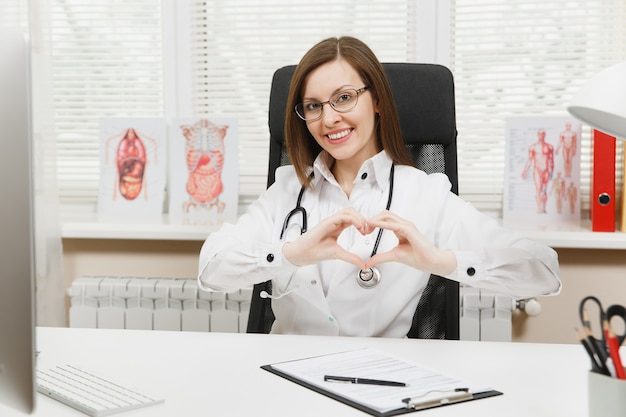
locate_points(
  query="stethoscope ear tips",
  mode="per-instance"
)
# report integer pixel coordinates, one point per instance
(368, 278)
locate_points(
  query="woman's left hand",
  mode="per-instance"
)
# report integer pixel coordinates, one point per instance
(413, 248)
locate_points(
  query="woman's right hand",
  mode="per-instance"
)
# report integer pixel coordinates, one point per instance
(320, 242)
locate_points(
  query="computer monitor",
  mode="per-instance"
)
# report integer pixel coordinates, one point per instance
(17, 312)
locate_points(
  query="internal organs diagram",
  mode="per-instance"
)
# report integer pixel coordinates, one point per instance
(204, 153)
(130, 160)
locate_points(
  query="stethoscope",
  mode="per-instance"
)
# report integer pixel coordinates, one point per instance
(366, 278)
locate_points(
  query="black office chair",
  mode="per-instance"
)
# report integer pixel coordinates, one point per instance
(424, 95)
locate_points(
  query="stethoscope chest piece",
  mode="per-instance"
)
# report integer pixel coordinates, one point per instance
(368, 278)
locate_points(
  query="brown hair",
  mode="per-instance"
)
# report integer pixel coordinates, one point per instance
(301, 146)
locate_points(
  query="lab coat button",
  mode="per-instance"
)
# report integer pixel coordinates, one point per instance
(313, 282)
(471, 271)
(364, 175)
(270, 257)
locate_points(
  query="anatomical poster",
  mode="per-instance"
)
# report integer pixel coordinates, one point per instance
(132, 169)
(542, 173)
(203, 170)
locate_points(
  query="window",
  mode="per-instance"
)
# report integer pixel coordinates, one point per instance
(107, 61)
(122, 59)
(13, 13)
(238, 44)
(524, 58)
(168, 58)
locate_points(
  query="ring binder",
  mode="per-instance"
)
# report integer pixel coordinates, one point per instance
(603, 199)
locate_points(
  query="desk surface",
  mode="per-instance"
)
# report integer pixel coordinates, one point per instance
(201, 374)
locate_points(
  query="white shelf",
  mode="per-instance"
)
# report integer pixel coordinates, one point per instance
(81, 223)
(573, 236)
(162, 231)
(580, 239)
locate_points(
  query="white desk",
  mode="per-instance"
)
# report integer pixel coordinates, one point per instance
(213, 374)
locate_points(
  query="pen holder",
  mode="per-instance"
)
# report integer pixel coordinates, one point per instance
(607, 395)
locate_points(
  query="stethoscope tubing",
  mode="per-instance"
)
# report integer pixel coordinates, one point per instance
(296, 210)
(389, 197)
(368, 278)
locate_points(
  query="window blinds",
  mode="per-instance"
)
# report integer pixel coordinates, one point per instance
(524, 58)
(508, 58)
(13, 13)
(107, 61)
(238, 44)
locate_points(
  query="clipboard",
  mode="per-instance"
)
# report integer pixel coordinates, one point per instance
(298, 371)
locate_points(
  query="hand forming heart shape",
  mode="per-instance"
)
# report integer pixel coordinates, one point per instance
(413, 249)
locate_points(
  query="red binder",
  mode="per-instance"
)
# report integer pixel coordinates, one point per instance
(603, 183)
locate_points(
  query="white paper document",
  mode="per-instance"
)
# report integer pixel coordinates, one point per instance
(422, 384)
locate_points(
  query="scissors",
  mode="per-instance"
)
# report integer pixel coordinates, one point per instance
(599, 345)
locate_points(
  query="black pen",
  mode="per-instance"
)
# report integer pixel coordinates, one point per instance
(368, 381)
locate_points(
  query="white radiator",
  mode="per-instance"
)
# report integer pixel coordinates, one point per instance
(155, 304)
(487, 315)
(177, 304)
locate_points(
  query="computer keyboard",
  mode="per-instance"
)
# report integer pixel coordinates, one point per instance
(90, 393)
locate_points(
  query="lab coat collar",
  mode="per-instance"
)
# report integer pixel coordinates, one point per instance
(380, 165)
(377, 168)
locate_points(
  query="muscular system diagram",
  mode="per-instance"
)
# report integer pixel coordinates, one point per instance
(541, 160)
(542, 178)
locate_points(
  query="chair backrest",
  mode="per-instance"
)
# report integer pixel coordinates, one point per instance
(424, 95)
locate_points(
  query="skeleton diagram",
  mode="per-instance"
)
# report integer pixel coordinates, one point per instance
(204, 153)
(130, 162)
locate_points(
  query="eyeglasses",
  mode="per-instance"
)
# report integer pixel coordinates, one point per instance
(343, 102)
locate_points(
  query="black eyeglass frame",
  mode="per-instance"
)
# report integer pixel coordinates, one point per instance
(329, 102)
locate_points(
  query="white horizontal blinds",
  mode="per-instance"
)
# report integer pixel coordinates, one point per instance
(13, 13)
(237, 45)
(523, 58)
(106, 62)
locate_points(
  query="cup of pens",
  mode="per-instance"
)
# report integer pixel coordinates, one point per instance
(607, 377)
(607, 395)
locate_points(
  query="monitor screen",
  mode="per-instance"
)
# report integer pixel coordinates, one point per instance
(17, 330)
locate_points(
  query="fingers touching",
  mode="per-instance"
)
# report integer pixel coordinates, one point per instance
(413, 249)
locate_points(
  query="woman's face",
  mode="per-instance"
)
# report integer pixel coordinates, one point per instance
(349, 136)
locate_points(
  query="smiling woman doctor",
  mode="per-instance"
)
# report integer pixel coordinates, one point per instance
(355, 258)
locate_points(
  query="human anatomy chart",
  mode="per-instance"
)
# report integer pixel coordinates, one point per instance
(203, 176)
(132, 169)
(542, 173)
